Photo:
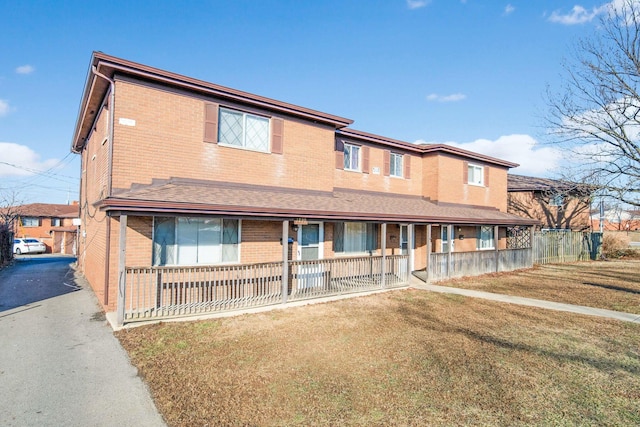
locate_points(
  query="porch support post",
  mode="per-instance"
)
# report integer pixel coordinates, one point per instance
(428, 264)
(410, 247)
(532, 230)
(383, 248)
(449, 250)
(496, 239)
(122, 278)
(285, 260)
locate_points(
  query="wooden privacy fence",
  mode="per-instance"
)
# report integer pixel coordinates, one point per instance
(558, 246)
(160, 292)
(459, 264)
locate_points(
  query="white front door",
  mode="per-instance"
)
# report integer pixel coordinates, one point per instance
(445, 239)
(310, 239)
(404, 241)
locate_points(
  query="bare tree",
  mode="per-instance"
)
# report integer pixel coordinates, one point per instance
(596, 115)
(9, 214)
(9, 208)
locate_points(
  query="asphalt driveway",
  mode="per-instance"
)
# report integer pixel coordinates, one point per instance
(59, 361)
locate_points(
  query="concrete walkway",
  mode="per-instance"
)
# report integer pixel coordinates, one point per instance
(531, 302)
(60, 364)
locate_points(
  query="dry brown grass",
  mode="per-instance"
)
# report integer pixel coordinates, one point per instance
(614, 285)
(406, 357)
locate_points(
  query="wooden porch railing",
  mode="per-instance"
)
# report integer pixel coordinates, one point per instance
(462, 264)
(159, 292)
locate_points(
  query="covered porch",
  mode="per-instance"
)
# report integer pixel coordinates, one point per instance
(241, 247)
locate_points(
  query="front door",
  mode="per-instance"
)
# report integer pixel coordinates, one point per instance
(445, 239)
(404, 243)
(310, 238)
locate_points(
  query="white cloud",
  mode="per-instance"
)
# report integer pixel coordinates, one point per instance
(509, 9)
(417, 4)
(578, 15)
(581, 15)
(23, 159)
(522, 149)
(454, 97)
(4, 107)
(25, 69)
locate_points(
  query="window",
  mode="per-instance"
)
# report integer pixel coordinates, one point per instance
(556, 200)
(243, 130)
(485, 238)
(56, 222)
(476, 175)
(395, 165)
(351, 157)
(30, 221)
(354, 237)
(190, 241)
(444, 232)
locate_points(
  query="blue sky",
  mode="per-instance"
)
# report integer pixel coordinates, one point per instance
(467, 72)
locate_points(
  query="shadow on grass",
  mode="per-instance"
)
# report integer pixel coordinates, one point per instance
(612, 287)
(417, 314)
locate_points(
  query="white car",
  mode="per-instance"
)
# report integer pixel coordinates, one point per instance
(28, 246)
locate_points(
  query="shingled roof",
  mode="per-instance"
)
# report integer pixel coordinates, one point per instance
(48, 210)
(189, 197)
(530, 183)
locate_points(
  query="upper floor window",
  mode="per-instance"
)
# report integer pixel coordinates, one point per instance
(395, 165)
(56, 222)
(556, 200)
(485, 238)
(243, 130)
(475, 174)
(351, 157)
(29, 221)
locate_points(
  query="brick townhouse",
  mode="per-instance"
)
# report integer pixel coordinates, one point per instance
(50, 223)
(196, 197)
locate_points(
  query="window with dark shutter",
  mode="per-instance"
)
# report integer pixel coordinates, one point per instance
(407, 166)
(365, 159)
(338, 237)
(277, 135)
(211, 123)
(339, 154)
(372, 237)
(386, 162)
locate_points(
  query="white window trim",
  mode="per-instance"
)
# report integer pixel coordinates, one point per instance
(359, 147)
(401, 175)
(320, 240)
(481, 184)
(37, 220)
(479, 239)
(553, 200)
(244, 126)
(238, 261)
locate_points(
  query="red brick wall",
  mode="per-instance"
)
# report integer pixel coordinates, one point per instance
(167, 141)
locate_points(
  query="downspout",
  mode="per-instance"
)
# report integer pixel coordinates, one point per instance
(112, 99)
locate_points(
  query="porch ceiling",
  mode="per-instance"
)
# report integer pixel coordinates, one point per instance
(186, 196)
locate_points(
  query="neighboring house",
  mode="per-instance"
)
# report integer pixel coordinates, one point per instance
(50, 223)
(616, 219)
(189, 189)
(555, 204)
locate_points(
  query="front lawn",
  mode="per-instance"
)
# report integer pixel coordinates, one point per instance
(407, 357)
(613, 285)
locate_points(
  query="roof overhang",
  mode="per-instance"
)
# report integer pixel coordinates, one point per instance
(195, 197)
(96, 88)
